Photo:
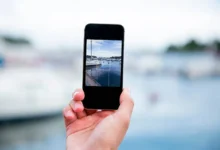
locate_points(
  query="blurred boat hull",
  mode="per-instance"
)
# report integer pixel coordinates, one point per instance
(30, 92)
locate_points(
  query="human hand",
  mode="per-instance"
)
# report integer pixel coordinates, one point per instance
(96, 130)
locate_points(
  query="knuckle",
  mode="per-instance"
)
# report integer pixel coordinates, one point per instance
(126, 120)
(126, 123)
(131, 101)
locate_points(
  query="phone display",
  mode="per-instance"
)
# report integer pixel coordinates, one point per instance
(103, 65)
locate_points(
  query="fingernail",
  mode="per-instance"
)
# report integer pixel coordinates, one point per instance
(76, 106)
(68, 113)
(74, 94)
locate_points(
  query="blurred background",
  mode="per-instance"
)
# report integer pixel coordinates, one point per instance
(172, 66)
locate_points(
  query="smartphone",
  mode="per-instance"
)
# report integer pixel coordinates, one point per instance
(103, 65)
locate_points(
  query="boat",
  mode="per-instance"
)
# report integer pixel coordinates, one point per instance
(31, 92)
(93, 63)
(92, 60)
(201, 69)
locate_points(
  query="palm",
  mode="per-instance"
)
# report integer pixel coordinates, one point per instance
(87, 129)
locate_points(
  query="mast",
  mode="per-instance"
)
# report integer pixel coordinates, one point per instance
(91, 49)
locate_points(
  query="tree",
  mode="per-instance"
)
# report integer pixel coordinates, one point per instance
(193, 45)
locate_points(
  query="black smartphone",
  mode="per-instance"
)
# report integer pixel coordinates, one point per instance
(103, 66)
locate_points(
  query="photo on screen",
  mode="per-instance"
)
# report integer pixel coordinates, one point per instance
(103, 63)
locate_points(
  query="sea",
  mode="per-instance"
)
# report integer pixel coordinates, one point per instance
(170, 113)
(108, 74)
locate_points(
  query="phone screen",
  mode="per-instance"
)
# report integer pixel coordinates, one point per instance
(103, 65)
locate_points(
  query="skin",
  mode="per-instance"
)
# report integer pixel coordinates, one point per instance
(96, 130)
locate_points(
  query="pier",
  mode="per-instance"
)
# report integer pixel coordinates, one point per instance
(90, 81)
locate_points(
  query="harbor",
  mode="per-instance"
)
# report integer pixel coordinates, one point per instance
(106, 74)
(30, 92)
(175, 96)
(102, 71)
(35, 86)
(171, 66)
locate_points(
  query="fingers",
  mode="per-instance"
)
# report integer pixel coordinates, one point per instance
(76, 103)
(69, 115)
(75, 109)
(78, 108)
(78, 95)
(126, 104)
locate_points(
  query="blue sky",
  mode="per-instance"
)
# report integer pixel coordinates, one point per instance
(149, 24)
(104, 48)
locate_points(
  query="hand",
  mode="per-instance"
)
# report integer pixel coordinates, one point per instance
(96, 130)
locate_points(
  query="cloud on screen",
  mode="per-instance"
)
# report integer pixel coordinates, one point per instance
(104, 48)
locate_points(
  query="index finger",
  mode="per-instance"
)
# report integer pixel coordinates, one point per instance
(78, 95)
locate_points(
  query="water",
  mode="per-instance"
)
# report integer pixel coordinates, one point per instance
(1, 61)
(108, 74)
(184, 117)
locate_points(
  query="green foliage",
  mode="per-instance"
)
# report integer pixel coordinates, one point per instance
(217, 44)
(15, 40)
(192, 46)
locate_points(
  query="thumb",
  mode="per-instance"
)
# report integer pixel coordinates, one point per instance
(126, 104)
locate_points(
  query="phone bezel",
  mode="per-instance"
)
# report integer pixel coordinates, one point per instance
(105, 98)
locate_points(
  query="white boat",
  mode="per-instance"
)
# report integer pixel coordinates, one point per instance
(202, 68)
(207, 66)
(31, 92)
(93, 63)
